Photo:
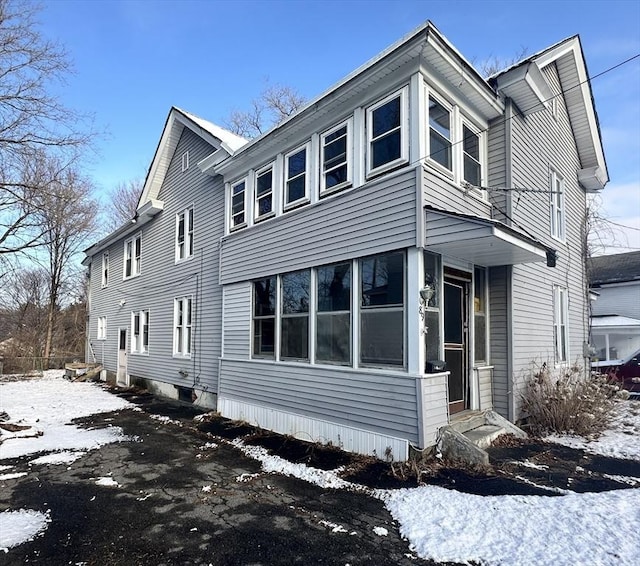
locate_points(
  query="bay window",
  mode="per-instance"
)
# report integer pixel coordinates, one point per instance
(440, 134)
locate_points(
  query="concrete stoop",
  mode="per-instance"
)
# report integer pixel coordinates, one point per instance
(466, 437)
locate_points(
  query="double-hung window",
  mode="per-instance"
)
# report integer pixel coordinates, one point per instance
(182, 326)
(102, 328)
(296, 177)
(440, 134)
(184, 234)
(132, 254)
(238, 191)
(264, 317)
(387, 133)
(382, 309)
(335, 158)
(140, 332)
(556, 199)
(294, 339)
(264, 193)
(472, 172)
(105, 269)
(333, 314)
(560, 331)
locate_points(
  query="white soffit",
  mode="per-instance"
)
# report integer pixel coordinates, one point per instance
(479, 241)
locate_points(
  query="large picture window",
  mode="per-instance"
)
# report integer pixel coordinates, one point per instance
(182, 326)
(335, 158)
(333, 317)
(386, 133)
(132, 256)
(140, 332)
(264, 317)
(382, 309)
(294, 341)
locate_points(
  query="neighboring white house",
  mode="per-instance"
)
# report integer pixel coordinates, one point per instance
(315, 280)
(615, 312)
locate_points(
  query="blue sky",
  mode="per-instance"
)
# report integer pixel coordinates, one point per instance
(133, 60)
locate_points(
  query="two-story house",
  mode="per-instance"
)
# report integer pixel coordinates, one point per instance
(394, 255)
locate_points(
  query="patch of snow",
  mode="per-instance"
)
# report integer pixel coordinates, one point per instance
(2, 468)
(446, 525)
(17, 527)
(243, 478)
(208, 446)
(335, 528)
(12, 476)
(623, 479)
(206, 488)
(164, 419)
(380, 531)
(64, 457)
(107, 482)
(533, 465)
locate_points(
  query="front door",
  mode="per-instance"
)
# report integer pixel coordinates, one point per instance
(121, 375)
(456, 333)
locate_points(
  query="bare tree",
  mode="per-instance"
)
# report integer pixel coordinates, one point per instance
(123, 202)
(272, 107)
(32, 119)
(495, 64)
(67, 214)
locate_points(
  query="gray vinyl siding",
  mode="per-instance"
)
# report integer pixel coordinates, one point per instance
(161, 280)
(622, 299)
(237, 320)
(496, 171)
(540, 141)
(443, 194)
(375, 401)
(499, 336)
(377, 217)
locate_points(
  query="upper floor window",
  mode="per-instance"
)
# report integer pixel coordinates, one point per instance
(184, 234)
(132, 253)
(440, 134)
(556, 199)
(102, 328)
(182, 326)
(560, 317)
(296, 177)
(185, 161)
(264, 193)
(238, 204)
(335, 158)
(387, 133)
(105, 269)
(472, 172)
(140, 332)
(382, 309)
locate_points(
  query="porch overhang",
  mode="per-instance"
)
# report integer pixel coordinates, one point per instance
(481, 241)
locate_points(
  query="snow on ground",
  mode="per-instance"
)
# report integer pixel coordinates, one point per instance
(621, 440)
(48, 405)
(440, 524)
(20, 526)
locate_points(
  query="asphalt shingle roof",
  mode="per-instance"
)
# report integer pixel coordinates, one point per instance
(616, 268)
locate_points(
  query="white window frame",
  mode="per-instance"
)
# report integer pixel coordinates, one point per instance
(452, 129)
(305, 199)
(256, 198)
(130, 255)
(185, 161)
(140, 335)
(404, 132)
(348, 124)
(561, 324)
(480, 161)
(232, 187)
(183, 326)
(102, 328)
(105, 269)
(557, 210)
(184, 248)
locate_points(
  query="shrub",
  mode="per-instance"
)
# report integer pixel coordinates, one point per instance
(567, 401)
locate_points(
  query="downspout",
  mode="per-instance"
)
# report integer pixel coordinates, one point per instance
(508, 134)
